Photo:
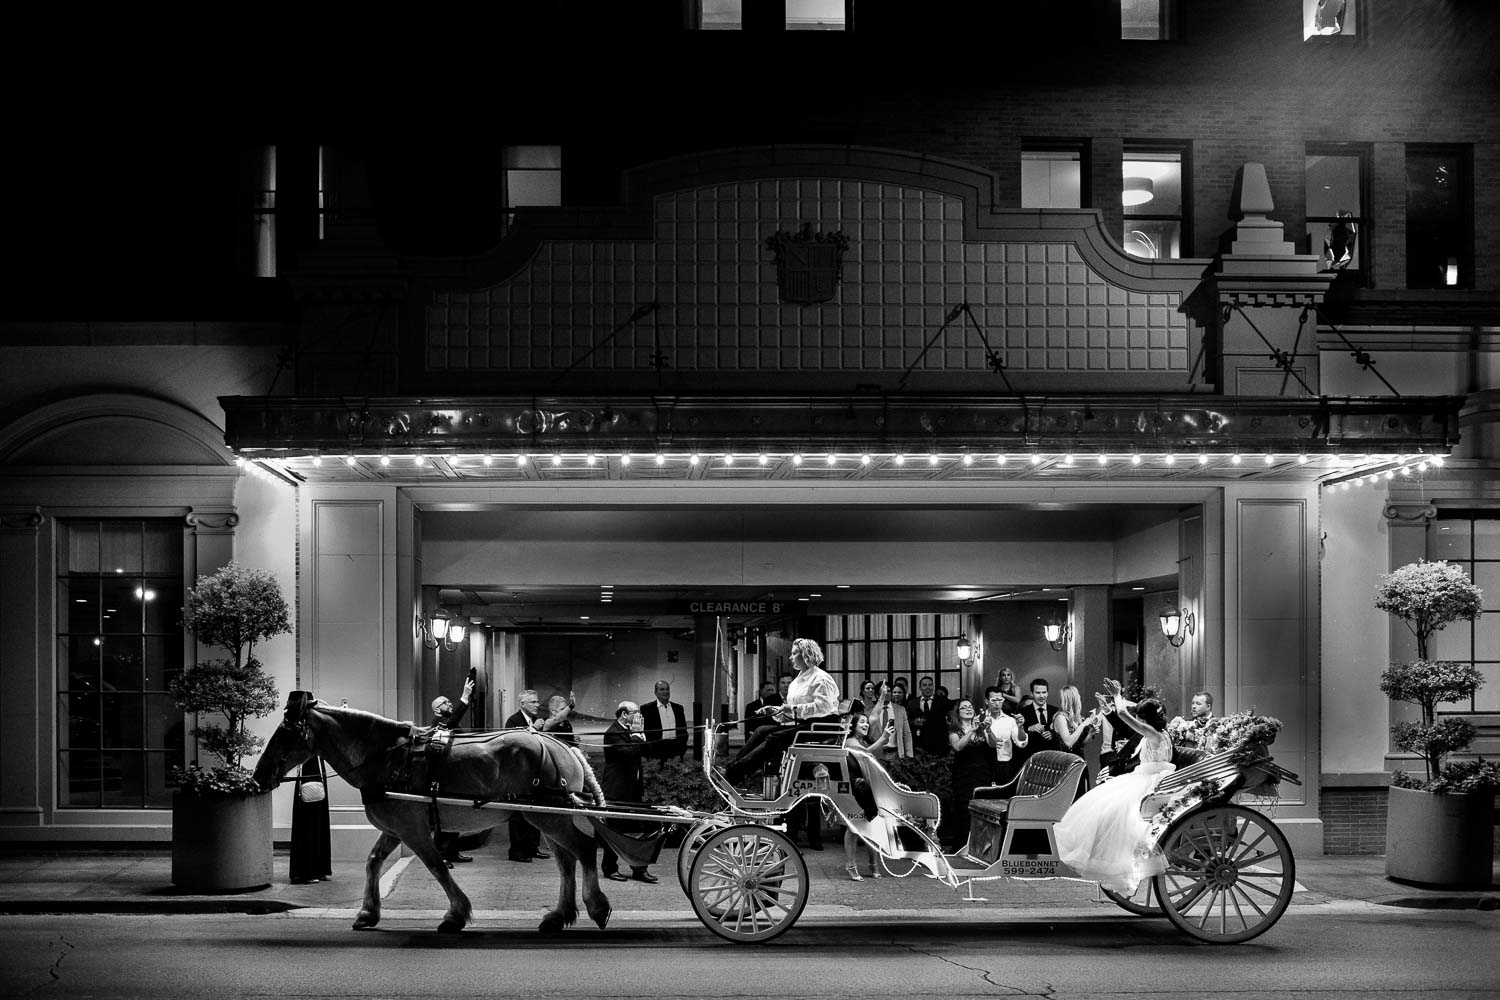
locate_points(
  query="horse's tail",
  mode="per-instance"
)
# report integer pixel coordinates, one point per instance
(590, 780)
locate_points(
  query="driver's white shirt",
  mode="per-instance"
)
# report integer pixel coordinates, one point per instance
(813, 693)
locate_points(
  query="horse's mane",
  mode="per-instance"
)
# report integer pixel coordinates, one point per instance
(365, 726)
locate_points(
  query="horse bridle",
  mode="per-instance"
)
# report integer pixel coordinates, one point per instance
(302, 733)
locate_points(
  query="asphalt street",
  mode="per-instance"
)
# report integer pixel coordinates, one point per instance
(1337, 949)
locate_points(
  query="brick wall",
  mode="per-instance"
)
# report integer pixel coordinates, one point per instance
(1353, 820)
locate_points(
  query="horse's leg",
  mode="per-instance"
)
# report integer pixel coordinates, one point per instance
(594, 899)
(459, 909)
(369, 913)
(565, 913)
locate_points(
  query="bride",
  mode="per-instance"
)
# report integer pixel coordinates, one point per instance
(1102, 836)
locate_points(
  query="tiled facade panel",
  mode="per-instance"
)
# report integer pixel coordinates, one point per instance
(709, 268)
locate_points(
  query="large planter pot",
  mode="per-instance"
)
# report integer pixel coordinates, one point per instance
(1440, 839)
(221, 843)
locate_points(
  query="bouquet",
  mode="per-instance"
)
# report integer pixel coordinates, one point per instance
(1245, 734)
(1182, 732)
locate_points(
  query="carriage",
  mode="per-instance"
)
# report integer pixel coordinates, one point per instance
(1230, 872)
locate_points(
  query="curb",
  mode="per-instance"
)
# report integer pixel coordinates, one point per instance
(252, 907)
(1439, 902)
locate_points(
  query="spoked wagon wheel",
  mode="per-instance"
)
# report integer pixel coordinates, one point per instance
(1230, 874)
(1140, 902)
(693, 841)
(748, 883)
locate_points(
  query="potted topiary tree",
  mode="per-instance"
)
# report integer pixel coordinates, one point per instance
(1440, 828)
(221, 821)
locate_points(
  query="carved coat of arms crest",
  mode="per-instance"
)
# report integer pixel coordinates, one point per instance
(809, 265)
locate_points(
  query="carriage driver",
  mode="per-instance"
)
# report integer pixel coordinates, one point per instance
(812, 697)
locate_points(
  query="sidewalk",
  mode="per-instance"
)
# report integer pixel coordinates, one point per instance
(139, 880)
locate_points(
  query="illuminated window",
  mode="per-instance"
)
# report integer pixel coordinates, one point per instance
(1439, 217)
(1330, 18)
(1333, 181)
(815, 15)
(264, 213)
(119, 646)
(533, 177)
(888, 647)
(1148, 20)
(721, 15)
(1152, 196)
(1052, 175)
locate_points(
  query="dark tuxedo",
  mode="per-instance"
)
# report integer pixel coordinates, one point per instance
(753, 719)
(929, 729)
(525, 841)
(623, 781)
(1031, 714)
(665, 737)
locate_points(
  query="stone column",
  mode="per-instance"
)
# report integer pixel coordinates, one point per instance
(1088, 653)
(1264, 295)
(25, 709)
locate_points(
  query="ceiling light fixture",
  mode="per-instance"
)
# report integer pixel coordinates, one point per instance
(1137, 191)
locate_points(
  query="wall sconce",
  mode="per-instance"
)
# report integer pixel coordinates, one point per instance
(1176, 625)
(1057, 633)
(440, 630)
(965, 650)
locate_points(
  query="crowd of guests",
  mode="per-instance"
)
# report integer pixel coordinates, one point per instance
(985, 741)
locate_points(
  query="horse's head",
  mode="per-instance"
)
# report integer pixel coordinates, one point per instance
(288, 746)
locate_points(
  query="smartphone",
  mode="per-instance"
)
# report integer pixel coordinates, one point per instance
(473, 674)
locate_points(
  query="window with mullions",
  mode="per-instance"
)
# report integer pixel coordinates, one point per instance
(119, 646)
(1330, 19)
(1052, 174)
(890, 647)
(1471, 540)
(1148, 20)
(1439, 217)
(1334, 186)
(1153, 180)
(533, 178)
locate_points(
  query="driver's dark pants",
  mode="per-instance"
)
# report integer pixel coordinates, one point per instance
(763, 743)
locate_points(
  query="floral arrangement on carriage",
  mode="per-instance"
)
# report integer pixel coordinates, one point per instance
(1231, 755)
(221, 819)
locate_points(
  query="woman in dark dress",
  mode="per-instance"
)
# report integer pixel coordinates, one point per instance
(973, 762)
(312, 855)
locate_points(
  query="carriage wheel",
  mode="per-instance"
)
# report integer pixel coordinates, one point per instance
(692, 843)
(1230, 874)
(1140, 902)
(748, 883)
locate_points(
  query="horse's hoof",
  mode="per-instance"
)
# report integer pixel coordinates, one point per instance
(602, 917)
(551, 924)
(364, 922)
(450, 926)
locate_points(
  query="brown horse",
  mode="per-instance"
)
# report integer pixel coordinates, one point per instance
(492, 767)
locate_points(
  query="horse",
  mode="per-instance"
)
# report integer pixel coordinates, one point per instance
(490, 766)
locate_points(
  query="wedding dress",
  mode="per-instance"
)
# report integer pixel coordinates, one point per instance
(1102, 835)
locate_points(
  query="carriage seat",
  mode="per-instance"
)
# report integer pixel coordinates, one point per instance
(888, 794)
(1048, 783)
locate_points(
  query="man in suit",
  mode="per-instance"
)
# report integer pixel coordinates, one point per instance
(625, 743)
(753, 717)
(666, 724)
(525, 841)
(928, 715)
(1036, 721)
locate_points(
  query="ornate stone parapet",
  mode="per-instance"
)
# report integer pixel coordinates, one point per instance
(1265, 297)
